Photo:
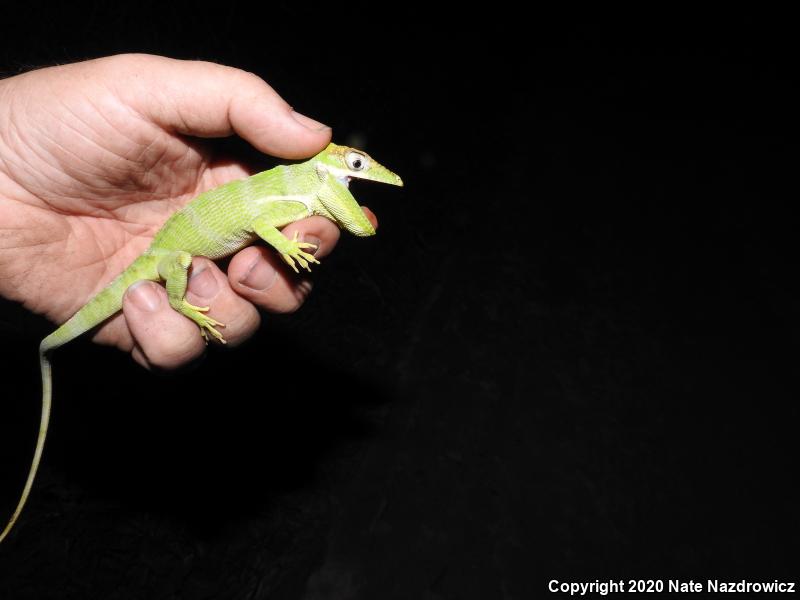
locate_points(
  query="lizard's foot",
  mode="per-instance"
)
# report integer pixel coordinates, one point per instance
(206, 323)
(295, 252)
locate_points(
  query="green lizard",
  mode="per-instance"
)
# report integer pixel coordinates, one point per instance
(218, 223)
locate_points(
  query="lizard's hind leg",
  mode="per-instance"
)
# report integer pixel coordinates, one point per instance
(173, 268)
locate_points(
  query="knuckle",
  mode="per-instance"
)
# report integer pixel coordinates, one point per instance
(248, 80)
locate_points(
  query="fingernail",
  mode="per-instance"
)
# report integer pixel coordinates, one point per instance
(203, 284)
(144, 296)
(260, 277)
(308, 122)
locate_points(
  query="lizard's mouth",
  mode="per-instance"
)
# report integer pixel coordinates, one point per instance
(344, 180)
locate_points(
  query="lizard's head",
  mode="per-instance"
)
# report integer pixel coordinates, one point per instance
(345, 164)
(336, 166)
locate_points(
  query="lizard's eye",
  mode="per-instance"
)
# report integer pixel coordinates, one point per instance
(356, 161)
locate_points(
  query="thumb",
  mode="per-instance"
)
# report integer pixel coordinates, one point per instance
(209, 100)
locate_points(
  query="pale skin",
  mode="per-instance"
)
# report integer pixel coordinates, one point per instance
(95, 156)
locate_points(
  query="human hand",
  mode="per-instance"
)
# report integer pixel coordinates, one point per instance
(95, 156)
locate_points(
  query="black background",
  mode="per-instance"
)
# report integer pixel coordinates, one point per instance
(570, 353)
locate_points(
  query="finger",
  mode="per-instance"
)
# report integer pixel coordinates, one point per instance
(260, 275)
(208, 286)
(164, 338)
(371, 217)
(209, 100)
(319, 231)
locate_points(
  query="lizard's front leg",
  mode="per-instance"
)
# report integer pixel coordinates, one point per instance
(173, 269)
(290, 250)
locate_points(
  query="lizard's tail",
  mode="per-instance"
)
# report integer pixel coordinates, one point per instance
(98, 309)
(47, 395)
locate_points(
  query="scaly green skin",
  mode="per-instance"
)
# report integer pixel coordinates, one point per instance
(216, 224)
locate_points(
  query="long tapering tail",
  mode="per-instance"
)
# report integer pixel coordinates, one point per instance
(106, 303)
(47, 399)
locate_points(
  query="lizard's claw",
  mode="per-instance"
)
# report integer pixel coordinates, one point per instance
(294, 252)
(207, 324)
